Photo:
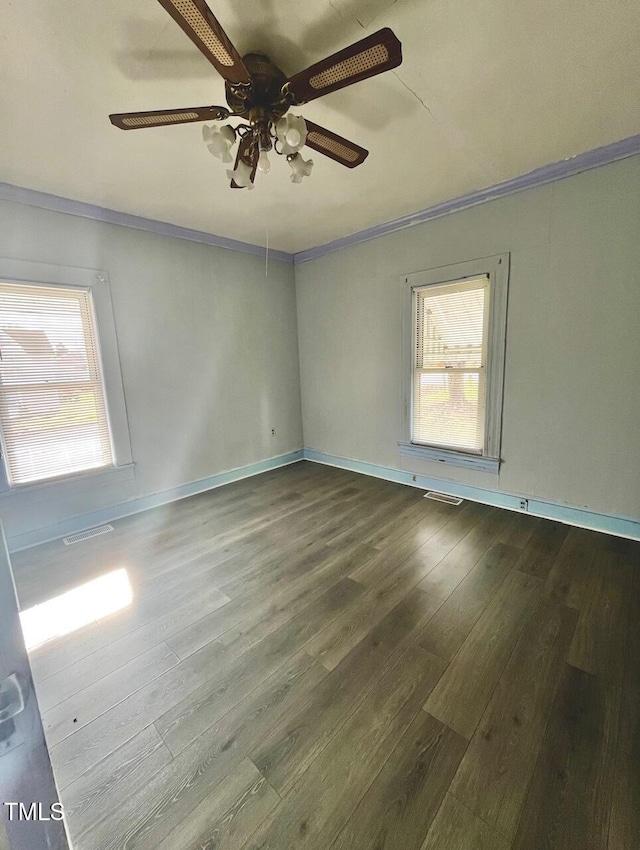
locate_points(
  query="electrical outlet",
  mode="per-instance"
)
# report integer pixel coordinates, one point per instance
(524, 504)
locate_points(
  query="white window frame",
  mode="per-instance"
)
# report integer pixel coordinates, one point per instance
(496, 269)
(97, 282)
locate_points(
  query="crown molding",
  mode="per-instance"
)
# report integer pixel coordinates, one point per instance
(537, 177)
(44, 201)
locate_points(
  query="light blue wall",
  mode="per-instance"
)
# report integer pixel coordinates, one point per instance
(571, 415)
(209, 352)
(208, 349)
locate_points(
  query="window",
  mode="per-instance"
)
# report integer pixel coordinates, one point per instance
(449, 379)
(62, 412)
(454, 394)
(52, 405)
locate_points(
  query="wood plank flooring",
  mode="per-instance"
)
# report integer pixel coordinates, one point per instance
(317, 659)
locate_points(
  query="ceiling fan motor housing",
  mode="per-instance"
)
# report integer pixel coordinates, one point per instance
(263, 98)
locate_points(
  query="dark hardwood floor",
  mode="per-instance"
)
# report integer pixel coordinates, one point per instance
(317, 659)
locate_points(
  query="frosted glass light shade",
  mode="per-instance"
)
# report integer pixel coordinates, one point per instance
(241, 175)
(291, 131)
(300, 168)
(219, 140)
(292, 137)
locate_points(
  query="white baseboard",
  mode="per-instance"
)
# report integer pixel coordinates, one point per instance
(608, 523)
(154, 500)
(621, 526)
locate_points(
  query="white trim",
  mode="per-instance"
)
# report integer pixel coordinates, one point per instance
(69, 485)
(621, 526)
(486, 464)
(607, 523)
(144, 503)
(549, 173)
(67, 206)
(496, 268)
(538, 177)
(96, 282)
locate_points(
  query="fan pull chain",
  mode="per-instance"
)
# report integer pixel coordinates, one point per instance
(266, 255)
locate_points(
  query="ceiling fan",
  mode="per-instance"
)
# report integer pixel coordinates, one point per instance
(258, 92)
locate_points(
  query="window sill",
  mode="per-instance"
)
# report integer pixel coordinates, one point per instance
(486, 464)
(61, 487)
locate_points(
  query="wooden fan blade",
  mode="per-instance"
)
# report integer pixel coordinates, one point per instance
(199, 23)
(247, 152)
(162, 117)
(366, 58)
(334, 146)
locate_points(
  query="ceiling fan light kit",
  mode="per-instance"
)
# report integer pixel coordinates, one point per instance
(219, 140)
(241, 175)
(300, 167)
(260, 93)
(291, 132)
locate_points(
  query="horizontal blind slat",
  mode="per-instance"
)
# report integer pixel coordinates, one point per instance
(52, 405)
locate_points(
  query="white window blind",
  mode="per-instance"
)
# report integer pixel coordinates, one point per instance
(52, 406)
(449, 380)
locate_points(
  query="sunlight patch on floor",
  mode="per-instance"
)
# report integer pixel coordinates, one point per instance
(76, 608)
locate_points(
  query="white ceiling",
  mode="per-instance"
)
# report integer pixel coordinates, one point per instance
(488, 90)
